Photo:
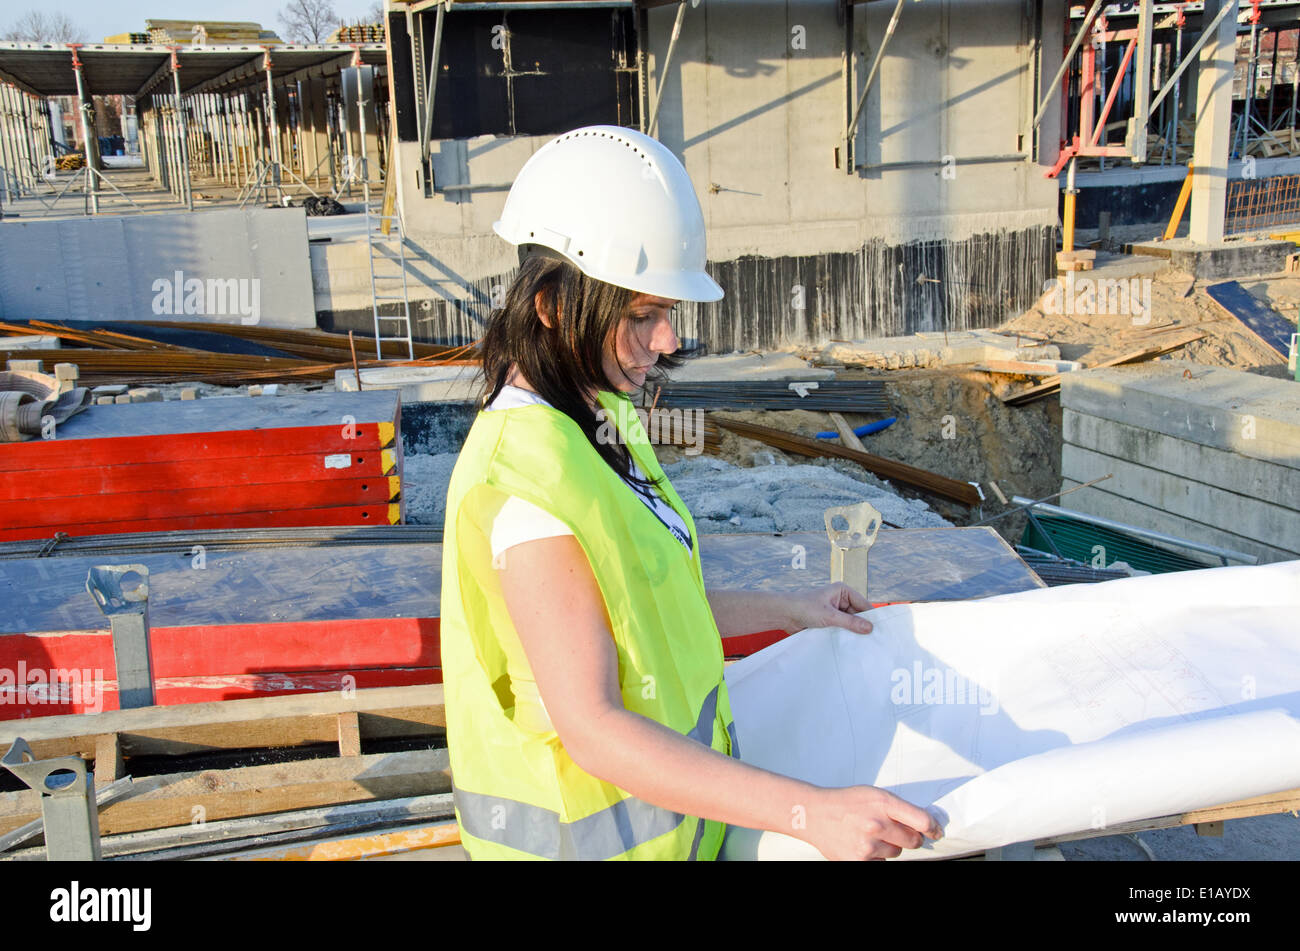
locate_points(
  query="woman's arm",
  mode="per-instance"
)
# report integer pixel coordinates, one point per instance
(748, 612)
(559, 614)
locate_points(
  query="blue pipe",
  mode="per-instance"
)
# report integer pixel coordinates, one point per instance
(864, 430)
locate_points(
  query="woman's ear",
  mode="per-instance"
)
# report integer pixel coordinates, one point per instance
(543, 314)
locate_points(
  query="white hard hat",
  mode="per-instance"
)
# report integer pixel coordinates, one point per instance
(618, 205)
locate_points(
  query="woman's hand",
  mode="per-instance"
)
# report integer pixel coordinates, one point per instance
(862, 822)
(835, 605)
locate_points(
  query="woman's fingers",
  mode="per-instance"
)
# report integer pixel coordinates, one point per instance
(851, 600)
(843, 600)
(915, 818)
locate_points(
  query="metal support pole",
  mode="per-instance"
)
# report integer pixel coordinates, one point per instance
(427, 129)
(663, 69)
(1178, 55)
(866, 88)
(1101, 84)
(68, 809)
(642, 66)
(1137, 126)
(127, 609)
(8, 170)
(1272, 78)
(1295, 85)
(1206, 33)
(415, 37)
(1248, 101)
(1065, 63)
(83, 104)
(273, 130)
(186, 188)
(1071, 193)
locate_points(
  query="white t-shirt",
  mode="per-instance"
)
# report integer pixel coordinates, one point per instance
(520, 521)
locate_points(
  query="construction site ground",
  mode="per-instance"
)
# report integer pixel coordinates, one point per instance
(952, 421)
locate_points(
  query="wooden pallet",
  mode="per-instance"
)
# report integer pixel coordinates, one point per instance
(341, 776)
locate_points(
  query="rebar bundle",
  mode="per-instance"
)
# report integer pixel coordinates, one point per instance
(846, 396)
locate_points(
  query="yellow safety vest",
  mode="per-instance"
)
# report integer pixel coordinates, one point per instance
(517, 792)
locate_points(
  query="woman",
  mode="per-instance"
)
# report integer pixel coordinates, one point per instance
(587, 714)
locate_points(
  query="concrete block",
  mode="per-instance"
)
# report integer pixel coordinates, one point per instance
(747, 366)
(1273, 525)
(1255, 416)
(255, 390)
(109, 389)
(67, 371)
(1233, 257)
(32, 342)
(189, 393)
(1094, 501)
(956, 348)
(104, 400)
(27, 366)
(450, 384)
(1254, 478)
(124, 398)
(145, 394)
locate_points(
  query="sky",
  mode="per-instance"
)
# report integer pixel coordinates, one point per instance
(99, 19)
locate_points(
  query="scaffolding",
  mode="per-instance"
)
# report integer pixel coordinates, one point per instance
(216, 123)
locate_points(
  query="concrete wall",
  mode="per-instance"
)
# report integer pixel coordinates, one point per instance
(755, 104)
(1214, 458)
(109, 268)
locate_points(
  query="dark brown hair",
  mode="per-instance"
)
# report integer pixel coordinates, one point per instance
(561, 362)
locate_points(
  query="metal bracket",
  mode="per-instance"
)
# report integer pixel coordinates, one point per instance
(851, 546)
(68, 809)
(127, 609)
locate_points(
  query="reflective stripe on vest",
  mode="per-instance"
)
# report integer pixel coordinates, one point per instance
(601, 835)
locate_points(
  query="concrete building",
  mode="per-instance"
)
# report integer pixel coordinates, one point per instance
(935, 214)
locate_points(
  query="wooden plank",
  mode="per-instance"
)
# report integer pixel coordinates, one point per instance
(111, 510)
(236, 724)
(69, 453)
(104, 426)
(195, 474)
(1016, 368)
(442, 835)
(847, 435)
(1266, 805)
(1053, 384)
(109, 764)
(1180, 206)
(885, 468)
(379, 513)
(157, 802)
(1264, 323)
(349, 733)
(282, 828)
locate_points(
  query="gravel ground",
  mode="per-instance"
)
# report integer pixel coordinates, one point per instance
(775, 497)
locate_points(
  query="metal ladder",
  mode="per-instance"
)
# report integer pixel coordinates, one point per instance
(384, 283)
(381, 239)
